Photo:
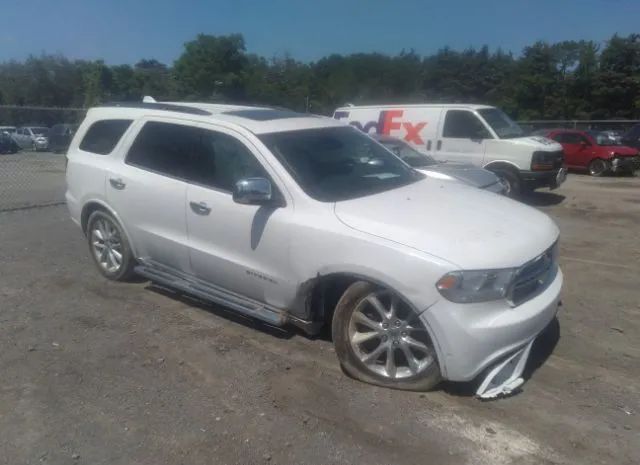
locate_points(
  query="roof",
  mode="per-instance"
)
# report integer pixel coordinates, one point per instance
(472, 106)
(257, 119)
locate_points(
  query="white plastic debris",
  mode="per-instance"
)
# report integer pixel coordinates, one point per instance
(506, 377)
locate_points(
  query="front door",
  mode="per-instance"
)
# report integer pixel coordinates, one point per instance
(577, 149)
(242, 248)
(149, 191)
(462, 138)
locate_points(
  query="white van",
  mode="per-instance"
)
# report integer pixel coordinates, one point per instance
(478, 134)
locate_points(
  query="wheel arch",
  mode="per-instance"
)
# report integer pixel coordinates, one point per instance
(325, 290)
(94, 205)
(502, 165)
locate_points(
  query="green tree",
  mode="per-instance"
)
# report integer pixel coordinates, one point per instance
(212, 67)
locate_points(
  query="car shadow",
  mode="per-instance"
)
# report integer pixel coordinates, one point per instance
(541, 350)
(542, 199)
(286, 332)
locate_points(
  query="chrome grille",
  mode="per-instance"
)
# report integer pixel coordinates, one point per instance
(534, 277)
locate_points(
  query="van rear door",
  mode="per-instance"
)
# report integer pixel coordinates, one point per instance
(462, 137)
(415, 125)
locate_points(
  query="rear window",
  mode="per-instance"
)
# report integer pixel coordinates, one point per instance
(103, 136)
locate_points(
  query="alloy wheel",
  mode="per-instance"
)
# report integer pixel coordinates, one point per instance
(388, 337)
(106, 245)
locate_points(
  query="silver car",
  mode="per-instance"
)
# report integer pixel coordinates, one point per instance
(32, 137)
(469, 174)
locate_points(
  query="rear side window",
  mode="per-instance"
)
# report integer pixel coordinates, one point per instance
(461, 124)
(165, 148)
(103, 136)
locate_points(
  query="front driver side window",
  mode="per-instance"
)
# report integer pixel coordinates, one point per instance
(222, 160)
(462, 124)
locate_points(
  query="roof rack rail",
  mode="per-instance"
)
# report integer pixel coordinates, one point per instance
(159, 106)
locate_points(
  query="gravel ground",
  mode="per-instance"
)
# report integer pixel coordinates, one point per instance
(103, 373)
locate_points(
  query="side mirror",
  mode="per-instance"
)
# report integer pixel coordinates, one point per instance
(584, 143)
(253, 191)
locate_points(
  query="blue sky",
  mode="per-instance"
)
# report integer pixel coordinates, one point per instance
(121, 31)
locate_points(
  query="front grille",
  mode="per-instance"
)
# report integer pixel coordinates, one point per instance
(534, 277)
(553, 159)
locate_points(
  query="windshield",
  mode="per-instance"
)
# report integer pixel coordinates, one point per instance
(40, 131)
(339, 163)
(408, 154)
(603, 138)
(501, 124)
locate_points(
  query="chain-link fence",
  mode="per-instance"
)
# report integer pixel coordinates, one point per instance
(32, 148)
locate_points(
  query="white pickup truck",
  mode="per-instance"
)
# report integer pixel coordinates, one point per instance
(477, 134)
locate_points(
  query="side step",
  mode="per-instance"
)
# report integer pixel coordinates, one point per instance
(208, 292)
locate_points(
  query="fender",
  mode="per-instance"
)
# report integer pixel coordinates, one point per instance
(306, 293)
(495, 164)
(105, 206)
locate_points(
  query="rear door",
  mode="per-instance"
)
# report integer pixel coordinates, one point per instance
(242, 248)
(462, 137)
(22, 138)
(148, 190)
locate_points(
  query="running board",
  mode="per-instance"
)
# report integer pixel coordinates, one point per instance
(215, 294)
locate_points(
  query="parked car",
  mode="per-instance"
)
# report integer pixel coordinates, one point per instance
(631, 138)
(7, 144)
(32, 137)
(60, 136)
(11, 130)
(302, 220)
(474, 134)
(467, 173)
(594, 152)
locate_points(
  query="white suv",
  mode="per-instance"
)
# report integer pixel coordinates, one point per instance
(296, 219)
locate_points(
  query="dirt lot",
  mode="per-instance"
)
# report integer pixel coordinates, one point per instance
(102, 373)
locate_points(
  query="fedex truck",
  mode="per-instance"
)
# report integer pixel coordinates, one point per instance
(477, 134)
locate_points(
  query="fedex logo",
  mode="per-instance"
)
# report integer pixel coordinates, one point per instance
(389, 120)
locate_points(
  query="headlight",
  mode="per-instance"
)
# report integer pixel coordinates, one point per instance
(476, 286)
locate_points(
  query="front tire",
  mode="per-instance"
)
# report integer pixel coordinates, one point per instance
(380, 340)
(511, 181)
(109, 247)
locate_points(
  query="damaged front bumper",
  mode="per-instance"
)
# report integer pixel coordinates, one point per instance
(491, 340)
(505, 377)
(625, 164)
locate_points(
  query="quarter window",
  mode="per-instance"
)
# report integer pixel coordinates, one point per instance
(103, 136)
(460, 124)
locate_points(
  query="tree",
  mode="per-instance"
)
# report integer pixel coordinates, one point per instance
(212, 66)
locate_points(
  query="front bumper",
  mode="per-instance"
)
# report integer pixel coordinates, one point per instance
(625, 164)
(41, 144)
(536, 179)
(471, 337)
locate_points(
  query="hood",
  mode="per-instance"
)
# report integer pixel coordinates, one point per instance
(537, 143)
(472, 175)
(620, 150)
(468, 227)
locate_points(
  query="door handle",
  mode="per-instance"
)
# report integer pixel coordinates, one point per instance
(200, 208)
(429, 145)
(439, 145)
(117, 183)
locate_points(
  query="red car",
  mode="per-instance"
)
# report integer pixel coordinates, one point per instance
(594, 151)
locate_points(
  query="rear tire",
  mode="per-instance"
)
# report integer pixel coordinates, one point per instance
(109, 247)
(413, 364)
